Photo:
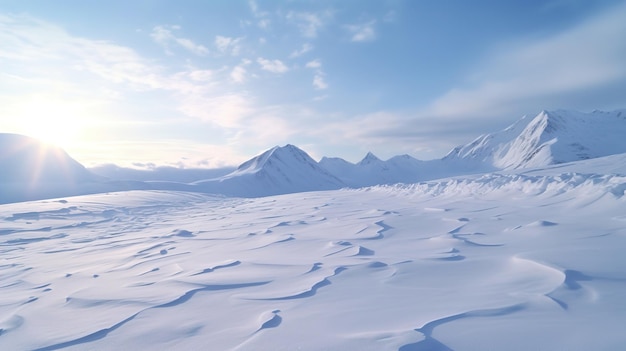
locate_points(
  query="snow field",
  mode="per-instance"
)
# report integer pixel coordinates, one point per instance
(499, 261)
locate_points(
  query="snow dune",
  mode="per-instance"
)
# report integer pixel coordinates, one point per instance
(518, 260)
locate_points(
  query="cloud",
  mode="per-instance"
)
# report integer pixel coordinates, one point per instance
(164, 35)
(262, 16)
(228, 45)
(238, 74)
(203, 75)
(306, 47)
(274, 66)
(581, 67)
(309, 23)
(561, 70)
(314, 64)
(318, 81)
(225, 110)
(362, 32)
(134, 99)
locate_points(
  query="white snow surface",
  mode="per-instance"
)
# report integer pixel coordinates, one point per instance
(514, 260)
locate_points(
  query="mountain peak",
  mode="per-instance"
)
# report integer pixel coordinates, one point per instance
(279, 170)
(370, 158)
(550, 137)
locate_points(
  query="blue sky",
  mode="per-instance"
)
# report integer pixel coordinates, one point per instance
(212, 83)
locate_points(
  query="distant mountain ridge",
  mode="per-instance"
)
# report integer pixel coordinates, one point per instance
(549, 138)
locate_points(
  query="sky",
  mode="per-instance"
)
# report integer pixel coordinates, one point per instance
(213, 83)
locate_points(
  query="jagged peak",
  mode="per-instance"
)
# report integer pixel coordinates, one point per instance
(369, 159)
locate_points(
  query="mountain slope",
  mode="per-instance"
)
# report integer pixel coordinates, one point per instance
(551, 137)
(30, 169)
(279, 170)
(27, 160)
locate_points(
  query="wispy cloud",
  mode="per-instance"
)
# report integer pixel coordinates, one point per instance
(228, 45)
(319, 83)
(239, 72)
(44, 57)
(274, 66)
(314, 64)
(574, 69)
(262, 17)
(308, 23)
(306, 47)
(579, 61)
(362, 32)
(164, 35)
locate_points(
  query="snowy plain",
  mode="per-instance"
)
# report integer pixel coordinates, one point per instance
(516, 260)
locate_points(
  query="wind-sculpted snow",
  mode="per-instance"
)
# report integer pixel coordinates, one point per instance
(504, 261)
(521, 185)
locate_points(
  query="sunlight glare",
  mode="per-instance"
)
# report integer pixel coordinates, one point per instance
(52, 121)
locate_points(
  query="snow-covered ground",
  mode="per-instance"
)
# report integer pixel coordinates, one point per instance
(515, 260)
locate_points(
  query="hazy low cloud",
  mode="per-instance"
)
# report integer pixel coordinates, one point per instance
(164, 35)
(274, 66)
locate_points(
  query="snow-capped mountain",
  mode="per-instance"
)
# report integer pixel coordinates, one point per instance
(551, 137)
(279, 170)
(31, 170)
(373, 171)
(26, 160)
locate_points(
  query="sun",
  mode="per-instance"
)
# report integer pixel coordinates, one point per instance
(52, 121)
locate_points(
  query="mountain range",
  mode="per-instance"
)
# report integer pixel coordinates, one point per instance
(32, 170)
